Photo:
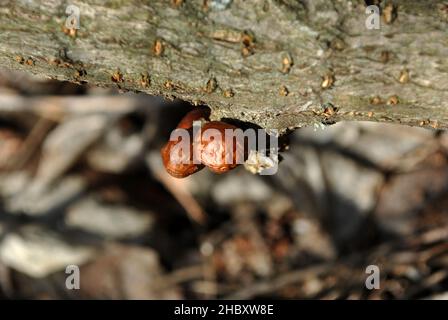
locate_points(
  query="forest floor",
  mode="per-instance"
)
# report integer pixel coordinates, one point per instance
(81, 183)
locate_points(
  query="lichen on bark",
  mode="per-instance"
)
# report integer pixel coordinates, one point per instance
(267, 59)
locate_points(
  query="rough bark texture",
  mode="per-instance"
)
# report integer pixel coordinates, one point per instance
(261, 61)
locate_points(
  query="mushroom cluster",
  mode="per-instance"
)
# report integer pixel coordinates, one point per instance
(208, 145)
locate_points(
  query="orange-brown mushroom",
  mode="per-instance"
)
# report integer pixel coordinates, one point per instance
(210, 147)
(179, 163)
(215, 151)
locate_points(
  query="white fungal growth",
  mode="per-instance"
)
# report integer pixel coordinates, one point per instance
(220, 4)
(257, 162)
(318, 125)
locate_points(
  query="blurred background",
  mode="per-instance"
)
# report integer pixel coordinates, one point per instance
(81, 183)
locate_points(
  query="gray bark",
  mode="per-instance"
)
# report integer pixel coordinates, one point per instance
(209, 53)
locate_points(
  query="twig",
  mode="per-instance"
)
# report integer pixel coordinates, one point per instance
(269, 286)
(30, 145)
(178, 188)
(57, 107)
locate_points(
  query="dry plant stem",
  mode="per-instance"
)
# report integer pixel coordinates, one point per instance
(392, 250)
(187, 201)
(269, 286)
(236, 60)
(31, 144)
(180, 276)
(56, 108)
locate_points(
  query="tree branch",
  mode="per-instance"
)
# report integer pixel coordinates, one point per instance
(276, 63)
